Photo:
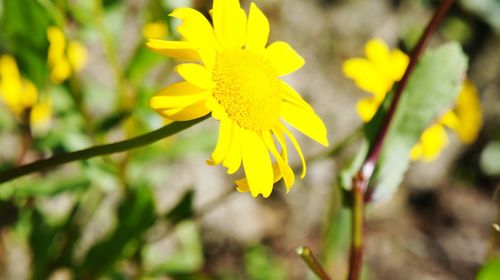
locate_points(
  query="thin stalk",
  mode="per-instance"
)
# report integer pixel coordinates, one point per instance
(362, 178)
(117, 147)
(306, 254)
(357, 226)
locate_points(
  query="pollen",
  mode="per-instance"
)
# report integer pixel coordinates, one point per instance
(247, 87)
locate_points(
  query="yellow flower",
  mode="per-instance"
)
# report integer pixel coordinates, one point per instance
(155, 30)
(382, 69)
(238, 81)
(64, 60)
(375, 74)
(20, 95)
(469, 113)
(432, 141)
(465, 119)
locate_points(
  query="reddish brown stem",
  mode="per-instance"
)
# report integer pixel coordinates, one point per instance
(361, 191)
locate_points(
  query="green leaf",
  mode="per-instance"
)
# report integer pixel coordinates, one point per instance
(489, 159)
(183, 210)
(43, 245)
(432, 89)
(489, 271)
(52, 244)
(136, 214)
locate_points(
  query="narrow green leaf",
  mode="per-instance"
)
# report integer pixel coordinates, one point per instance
(136, 214)
(183, 210)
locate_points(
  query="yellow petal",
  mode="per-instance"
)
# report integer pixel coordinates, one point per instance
(284, 58)
(77, 55)
(257, 163)
(174, 101)
(61, 71)
(366, 76)
(190, 112)
(257, 29)
(29, 95)
(233, 159)
(229, 23)
(223, 143)
(306, 121)
(366, 108)
(292, 96)
(177, 96)
(40, 114)
(196, 29)
(196, 74)
(284, 168)
(57, 45)
(11, 84)
(297, 148)
(8, 68)
(416, 152)
(377, 51)
(242, 184)
(469, 113)
(155, 30)
(432, 141)
(398, 62)
(450, 119)
(218, 111)
(177, 49)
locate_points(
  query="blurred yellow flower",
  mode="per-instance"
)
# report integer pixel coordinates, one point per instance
(469, 113)
(378, 72)
(375, 74)
(432, 141)
(155, 30)
(20, 95)
(64, 57)
(238, 81)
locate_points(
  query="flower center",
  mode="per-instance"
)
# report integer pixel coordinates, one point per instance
(247, 86)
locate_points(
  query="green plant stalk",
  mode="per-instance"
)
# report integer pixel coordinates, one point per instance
(306, 254)
(362, 178)
(117, 147)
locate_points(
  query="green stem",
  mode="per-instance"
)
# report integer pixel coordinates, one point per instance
(306, 254)
(117, 147)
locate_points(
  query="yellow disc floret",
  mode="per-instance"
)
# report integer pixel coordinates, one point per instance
(247, 87)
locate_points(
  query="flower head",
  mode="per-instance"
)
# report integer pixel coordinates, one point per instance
(64, 60)
(378, 72)
(20, 94)
(375, 74)
(238, 81)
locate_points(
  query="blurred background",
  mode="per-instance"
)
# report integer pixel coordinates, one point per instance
(160, 212)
